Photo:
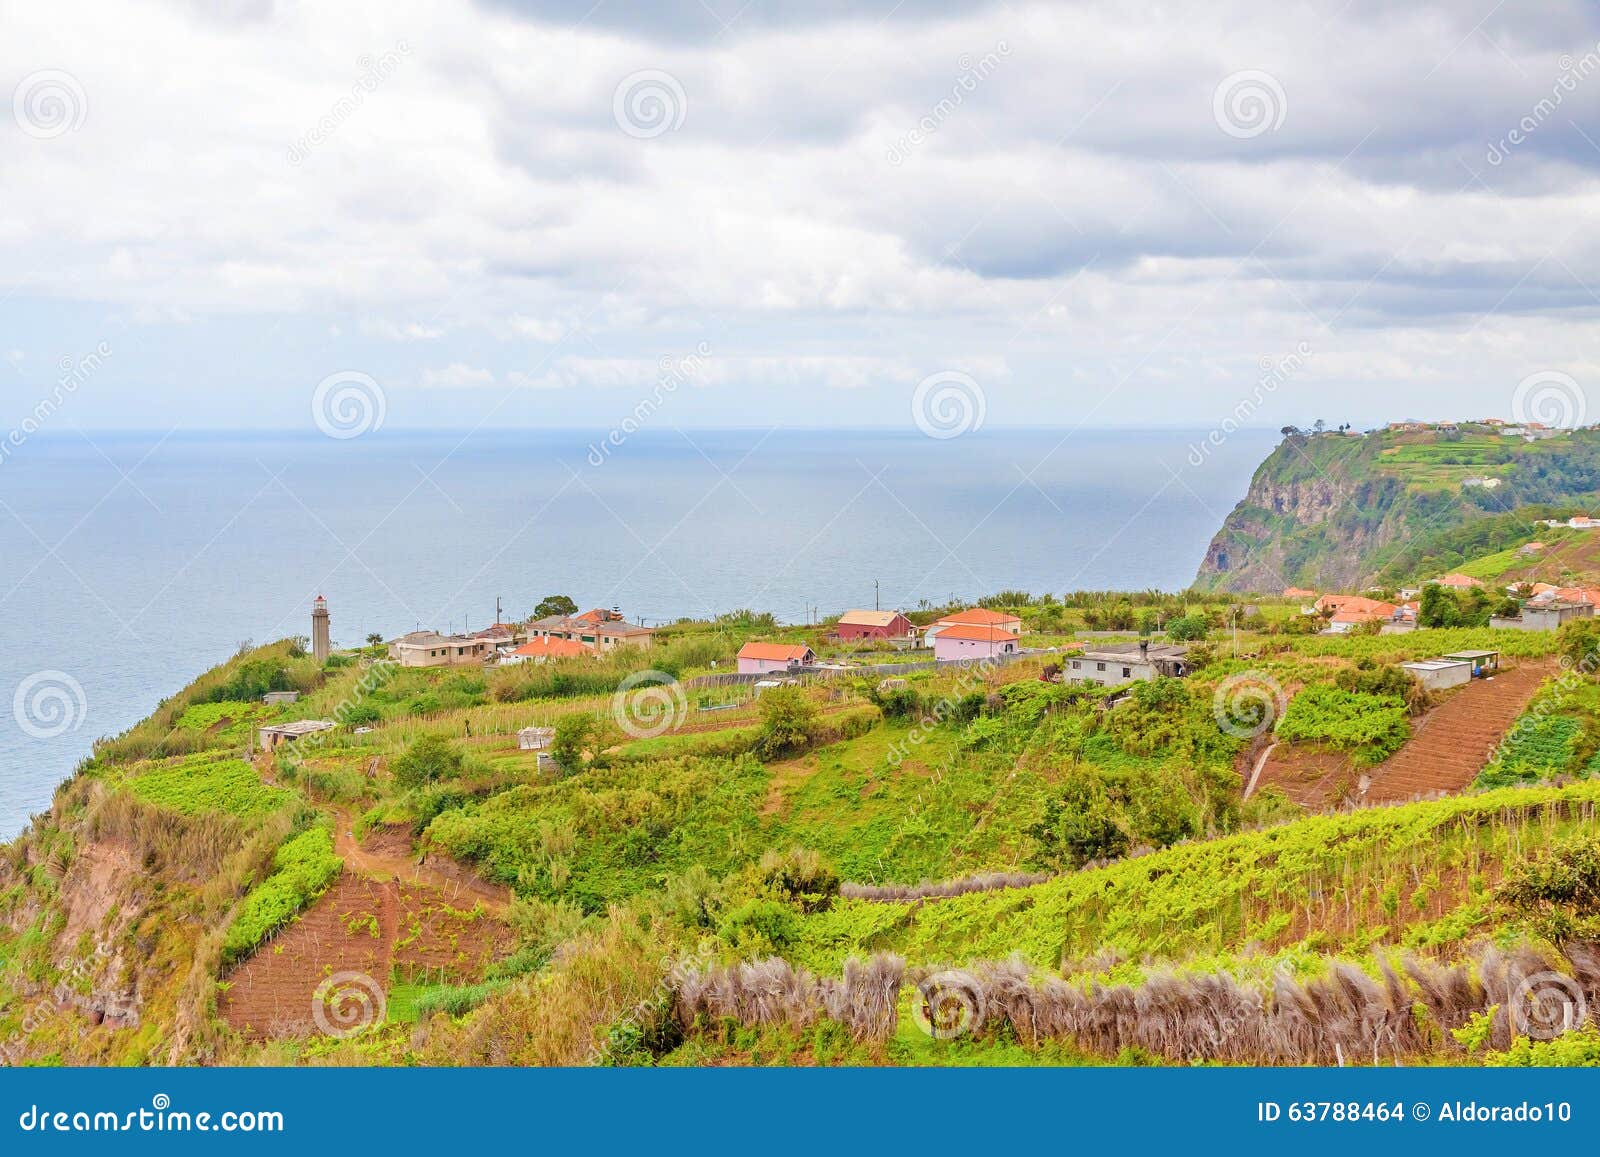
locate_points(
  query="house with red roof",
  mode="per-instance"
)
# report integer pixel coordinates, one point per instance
(858, 624)
(1347, 611)
(1458, 582)
(983, 617)
(543, 648)
(765, 658)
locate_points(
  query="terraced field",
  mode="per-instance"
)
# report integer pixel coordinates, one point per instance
(1455, 740)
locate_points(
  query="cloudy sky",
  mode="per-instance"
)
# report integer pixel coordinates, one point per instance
(524, 213)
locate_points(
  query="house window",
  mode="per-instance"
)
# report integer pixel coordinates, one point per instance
(1099, 666)
(1127, 672)
(1076, 665)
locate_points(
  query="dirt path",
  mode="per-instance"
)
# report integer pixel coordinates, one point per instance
(1453, 742)
(387, 855)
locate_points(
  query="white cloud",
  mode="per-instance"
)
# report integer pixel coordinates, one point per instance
(1077, 221)
(457, 376)
(400, 331)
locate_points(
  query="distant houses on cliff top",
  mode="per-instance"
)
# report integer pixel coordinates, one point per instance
(551, 637)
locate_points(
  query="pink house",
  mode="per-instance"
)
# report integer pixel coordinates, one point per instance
(973, 641)
(763, 658)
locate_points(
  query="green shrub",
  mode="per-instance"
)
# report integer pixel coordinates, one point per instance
(250, 680)
(788, 722)
(1558, 894)
(759, 927)
(429, 758)
(361, 715)
(1371, 727)
(802, 876)
(306, 866)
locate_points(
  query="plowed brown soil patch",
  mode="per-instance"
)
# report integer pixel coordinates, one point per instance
(422, 925)
(1453, 742)
(1313, 777)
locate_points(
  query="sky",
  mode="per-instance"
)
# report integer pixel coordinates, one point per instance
(714, 213)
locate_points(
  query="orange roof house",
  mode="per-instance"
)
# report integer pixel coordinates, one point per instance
(547, 647)
(1298, 593)
(1354, 608)
(982, 617)
(1458, 581)
(761, 658)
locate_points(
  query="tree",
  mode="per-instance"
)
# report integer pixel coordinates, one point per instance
(1187, 627)
(428, 759)
(1558, 895)
(374, 640)
(555, 605)
(1579, 645)
(576, 736)
(1083, 823)
(1438, 607)
(788, 721)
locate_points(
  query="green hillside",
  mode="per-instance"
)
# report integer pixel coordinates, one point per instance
(748, 878)
(1339, 510)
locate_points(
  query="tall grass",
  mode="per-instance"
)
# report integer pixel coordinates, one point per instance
(1342, 1015)
(773, 992)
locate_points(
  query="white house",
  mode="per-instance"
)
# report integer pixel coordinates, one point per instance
(1118, 663)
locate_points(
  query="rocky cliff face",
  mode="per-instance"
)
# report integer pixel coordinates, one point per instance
(1294, 525)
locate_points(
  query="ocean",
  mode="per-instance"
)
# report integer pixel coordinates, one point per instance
(132, 562)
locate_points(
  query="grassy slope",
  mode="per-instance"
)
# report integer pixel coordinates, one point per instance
(169, 796)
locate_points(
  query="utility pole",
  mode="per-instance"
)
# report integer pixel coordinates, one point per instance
(875, 605)
(497, 610)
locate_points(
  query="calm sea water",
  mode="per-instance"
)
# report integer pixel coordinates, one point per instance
(129, 563)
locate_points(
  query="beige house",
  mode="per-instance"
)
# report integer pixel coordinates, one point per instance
(601, 629)
(431, 649)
